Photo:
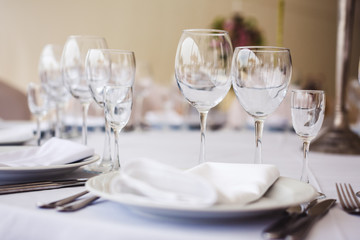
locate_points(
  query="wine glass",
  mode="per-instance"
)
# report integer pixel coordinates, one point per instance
(202, 69)
(118, 104)
(51, 80)
(142, 88)
(307, 111)
(260, 77)
(38, 103)
(104, 67)
(73, 71)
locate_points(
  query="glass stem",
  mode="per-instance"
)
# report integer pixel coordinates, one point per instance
(259, 126)
(304, 172)
(38, 131)
(106, 158)
(85, 108)
(58, 121)
(138, 118)
(116, 165)
(203, 117)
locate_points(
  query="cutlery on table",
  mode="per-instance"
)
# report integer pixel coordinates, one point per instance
(61, 202)
(41, 185)
(302, 227)
(276, 230)
(299, 224)
(77, 205)
(347, 198)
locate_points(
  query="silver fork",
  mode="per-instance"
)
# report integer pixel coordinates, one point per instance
(347, 197)
(61, 202)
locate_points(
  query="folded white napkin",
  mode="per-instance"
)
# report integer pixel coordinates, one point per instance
(204, 185)
(16, 133)
(54, 152)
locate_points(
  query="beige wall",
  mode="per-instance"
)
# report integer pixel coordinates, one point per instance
(152, 28)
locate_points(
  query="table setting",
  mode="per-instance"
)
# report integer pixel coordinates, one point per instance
(156, 184)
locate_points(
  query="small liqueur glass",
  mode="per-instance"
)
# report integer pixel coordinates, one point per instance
(38, 103)
(307, 112)
(118, 105)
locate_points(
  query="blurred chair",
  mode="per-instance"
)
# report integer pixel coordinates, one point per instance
(13, 103)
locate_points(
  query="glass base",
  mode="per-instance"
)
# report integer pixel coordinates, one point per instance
(340, 141)
(99, 167)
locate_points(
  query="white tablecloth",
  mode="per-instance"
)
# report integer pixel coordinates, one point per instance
(21, 219)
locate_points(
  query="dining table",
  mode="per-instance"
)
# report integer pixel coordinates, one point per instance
(20, 218)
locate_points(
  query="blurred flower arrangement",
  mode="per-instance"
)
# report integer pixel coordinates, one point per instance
(243, 31)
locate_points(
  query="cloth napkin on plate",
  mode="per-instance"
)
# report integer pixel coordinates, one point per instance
(15, 133)
(204, 185)
(54, 152)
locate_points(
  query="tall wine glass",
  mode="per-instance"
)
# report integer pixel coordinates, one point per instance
(260, 76)
(38, 103)
(73, 71)
(108, 67)
(202, 70)
(51, 80)
(118, 104)
(307, 111)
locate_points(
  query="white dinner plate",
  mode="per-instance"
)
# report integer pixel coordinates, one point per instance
(20, 174)
(283, 193)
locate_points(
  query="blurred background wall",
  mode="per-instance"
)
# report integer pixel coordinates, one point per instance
(151, 28)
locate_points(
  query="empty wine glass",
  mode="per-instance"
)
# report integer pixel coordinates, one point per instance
(108, 67)
(307, 111)
(73, 71)
(118, 104)
(38, 103)
(260, 76)
(142, 88)
(202, 69)
(51, 80)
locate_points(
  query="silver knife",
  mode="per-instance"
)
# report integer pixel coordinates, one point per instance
(296, 220)
(77, 205)
(37, 186)
(301, 227)
(44, 182)
(292, 214)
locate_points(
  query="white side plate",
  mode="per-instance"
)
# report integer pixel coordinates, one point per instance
(19, 174)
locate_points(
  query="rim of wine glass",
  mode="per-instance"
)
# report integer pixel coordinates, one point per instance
(114, 86)
(85, 36)
(264, 48)
(214, 32)
(307, 91)
(113, 50)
